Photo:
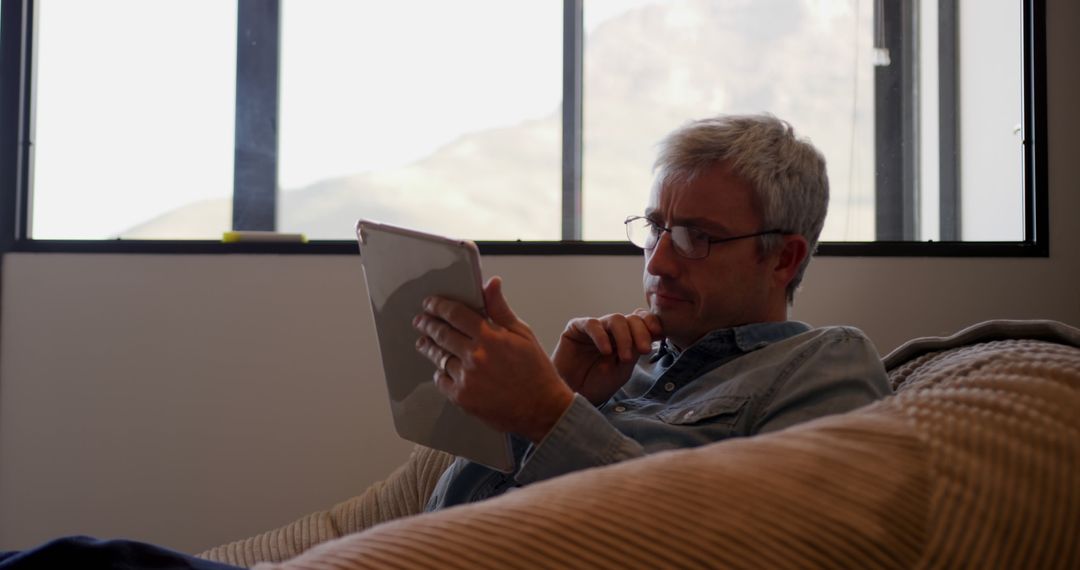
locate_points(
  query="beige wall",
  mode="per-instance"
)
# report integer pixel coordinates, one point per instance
(189, 400)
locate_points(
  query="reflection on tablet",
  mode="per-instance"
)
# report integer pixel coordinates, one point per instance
(402, 268)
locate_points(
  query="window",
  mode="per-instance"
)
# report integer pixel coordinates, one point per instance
(117, 148)
(808, 62)
(421, 113)
(961, 145)
(171, 122)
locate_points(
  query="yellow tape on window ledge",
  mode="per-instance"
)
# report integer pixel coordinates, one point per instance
(262, 237)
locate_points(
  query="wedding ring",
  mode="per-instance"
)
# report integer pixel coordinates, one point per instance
(443, 361)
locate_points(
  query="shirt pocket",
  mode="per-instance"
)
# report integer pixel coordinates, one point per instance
(719, 410)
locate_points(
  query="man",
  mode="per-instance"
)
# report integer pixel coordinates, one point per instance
(735, 211)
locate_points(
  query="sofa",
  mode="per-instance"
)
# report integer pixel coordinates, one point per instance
(973, 462)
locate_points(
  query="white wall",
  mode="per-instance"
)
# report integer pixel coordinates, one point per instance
(190, 400)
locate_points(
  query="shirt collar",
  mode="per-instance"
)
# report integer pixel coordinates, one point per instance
(736, 340)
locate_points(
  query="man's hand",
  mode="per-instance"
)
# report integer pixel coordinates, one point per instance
(494, 368)
(596, 356)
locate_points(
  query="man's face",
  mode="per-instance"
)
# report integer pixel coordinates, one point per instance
(729, 287)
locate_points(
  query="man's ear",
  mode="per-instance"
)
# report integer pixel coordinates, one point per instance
(789, 258)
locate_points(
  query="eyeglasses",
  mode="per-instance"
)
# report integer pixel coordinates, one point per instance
(689, 241)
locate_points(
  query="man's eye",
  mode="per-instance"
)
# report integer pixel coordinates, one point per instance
(697, 235)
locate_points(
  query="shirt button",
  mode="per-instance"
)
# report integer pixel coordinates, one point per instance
(669, 386)
(620, 409)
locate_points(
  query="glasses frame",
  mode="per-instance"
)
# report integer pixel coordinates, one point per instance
(675, 243)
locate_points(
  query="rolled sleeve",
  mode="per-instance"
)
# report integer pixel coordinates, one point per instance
(582, 438)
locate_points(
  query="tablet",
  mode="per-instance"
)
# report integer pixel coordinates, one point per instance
(402, 267)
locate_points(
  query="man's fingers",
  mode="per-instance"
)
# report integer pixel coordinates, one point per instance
(656, 328)
(446, 364)
(643, 338)
(589, 330)
(455, 314)
(618, 327)
(498, 309)
(442, 335)
(610, 334)
(445, 384)
(625, 335)
(430, 350)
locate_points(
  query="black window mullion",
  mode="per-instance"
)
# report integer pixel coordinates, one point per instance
(256, 136)
(573, 50)
(1037, 213)
(895, 122)
(16, 118)
(949, 119)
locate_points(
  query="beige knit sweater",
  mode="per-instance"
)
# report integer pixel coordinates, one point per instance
(974, 463)
(403, 493)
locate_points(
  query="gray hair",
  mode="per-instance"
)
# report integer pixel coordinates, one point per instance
(787, 173)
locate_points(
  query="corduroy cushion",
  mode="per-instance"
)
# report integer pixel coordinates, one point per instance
(973, 463)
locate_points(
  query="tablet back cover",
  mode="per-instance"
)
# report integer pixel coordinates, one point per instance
(402, 267)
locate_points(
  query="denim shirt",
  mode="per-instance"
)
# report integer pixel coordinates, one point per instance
(733, 382)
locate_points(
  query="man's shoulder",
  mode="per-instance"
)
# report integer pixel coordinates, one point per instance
(774, 349)
(822, 335)
(842, 341)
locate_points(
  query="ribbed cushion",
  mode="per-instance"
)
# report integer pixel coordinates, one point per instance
(972, 464)
(1000, 422)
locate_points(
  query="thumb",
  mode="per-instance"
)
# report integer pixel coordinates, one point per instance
(495, 304)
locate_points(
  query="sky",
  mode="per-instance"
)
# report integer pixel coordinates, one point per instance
(136, 120)
(135, 99)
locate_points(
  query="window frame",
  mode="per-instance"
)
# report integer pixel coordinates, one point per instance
(254, 180)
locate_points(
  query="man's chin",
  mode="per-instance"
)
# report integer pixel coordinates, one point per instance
(677, 327)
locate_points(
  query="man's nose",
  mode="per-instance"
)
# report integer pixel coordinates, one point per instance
(663, 261)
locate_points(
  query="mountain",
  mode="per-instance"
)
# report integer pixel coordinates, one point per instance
(645, 72)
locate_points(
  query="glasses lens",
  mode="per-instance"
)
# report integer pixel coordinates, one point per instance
(641, 233)
(687, 243)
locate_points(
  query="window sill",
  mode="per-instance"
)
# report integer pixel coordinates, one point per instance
(347, 247)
